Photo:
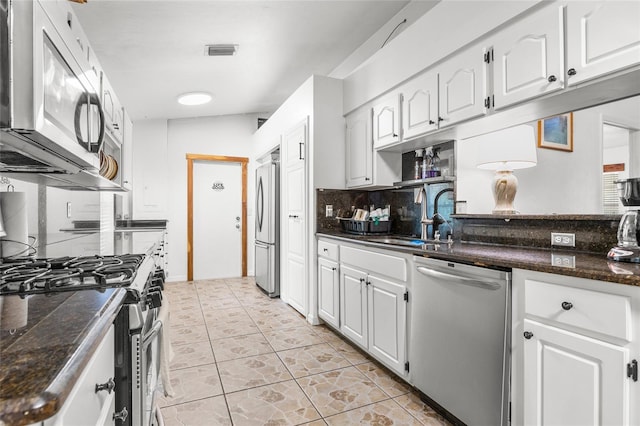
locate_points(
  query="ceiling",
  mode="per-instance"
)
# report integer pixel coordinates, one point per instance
(152, 51)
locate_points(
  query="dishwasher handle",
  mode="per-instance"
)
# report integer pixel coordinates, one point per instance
(459, 279)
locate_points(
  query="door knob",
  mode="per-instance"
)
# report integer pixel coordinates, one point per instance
(567, 305)
(552, 78)
(238, 218)
(528, 335)
(237, 226)
(572, 71)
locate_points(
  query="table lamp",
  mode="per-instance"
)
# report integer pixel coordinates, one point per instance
(505, 151)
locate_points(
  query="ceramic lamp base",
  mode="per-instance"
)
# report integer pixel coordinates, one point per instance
(505, 185)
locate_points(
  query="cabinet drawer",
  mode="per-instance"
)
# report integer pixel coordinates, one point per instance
(328, 250)
(595, 311)
(377, 263)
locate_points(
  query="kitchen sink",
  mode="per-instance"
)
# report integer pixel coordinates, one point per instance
(402, 241)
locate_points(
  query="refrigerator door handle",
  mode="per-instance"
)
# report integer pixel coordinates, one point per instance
(260, 200)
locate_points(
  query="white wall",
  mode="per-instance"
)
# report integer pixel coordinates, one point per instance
(150, 173)
(222, 135)
(561, 182)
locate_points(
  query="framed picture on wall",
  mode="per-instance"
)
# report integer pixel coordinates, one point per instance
(556, 132)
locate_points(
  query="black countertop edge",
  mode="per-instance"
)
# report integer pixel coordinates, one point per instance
(39, 407)
(593, 266)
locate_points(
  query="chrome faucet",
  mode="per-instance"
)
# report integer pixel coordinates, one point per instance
(436, 220)
(421, 199)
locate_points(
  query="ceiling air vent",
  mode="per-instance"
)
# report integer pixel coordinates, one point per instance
(220, 49)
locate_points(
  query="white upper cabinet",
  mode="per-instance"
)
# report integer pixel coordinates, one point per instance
(359, 148)
(602, 37)
(386, 121)
(528, 58)
(420, 105)
(462, 87)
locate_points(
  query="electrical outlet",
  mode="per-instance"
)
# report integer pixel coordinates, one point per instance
(329, 210)
(563, 239)
(563, 260)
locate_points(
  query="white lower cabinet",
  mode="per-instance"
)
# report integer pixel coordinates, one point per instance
(387, 309)
(363, 294)
(373, 309)
(329, 292)
(571, 379)
(85, 405)
(353, 305)
(574, 351)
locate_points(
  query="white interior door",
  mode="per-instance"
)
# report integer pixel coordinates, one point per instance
(217, 225)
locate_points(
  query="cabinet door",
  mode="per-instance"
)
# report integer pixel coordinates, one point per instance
(386, 121)
(602, 36)
(328, 292)
(571, 379)
(359, 149)
(353, 305)
(294, 281)
(528, 58)
(461, 84)
(420, 105)
(387, 322)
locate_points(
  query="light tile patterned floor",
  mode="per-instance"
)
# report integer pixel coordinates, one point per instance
(244, 359)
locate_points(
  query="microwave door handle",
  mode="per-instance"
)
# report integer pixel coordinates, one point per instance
(93, 97)
(86, 100)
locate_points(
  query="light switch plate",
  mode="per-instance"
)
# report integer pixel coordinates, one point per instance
(329, 210)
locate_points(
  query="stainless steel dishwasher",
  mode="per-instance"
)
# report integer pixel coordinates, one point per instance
(459, 348)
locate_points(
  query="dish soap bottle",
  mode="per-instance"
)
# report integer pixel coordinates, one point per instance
(435, 164)
(417, 168)
(426, 163)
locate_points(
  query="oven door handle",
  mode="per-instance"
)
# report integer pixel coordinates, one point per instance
(148, 337)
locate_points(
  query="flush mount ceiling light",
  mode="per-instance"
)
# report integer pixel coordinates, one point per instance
(220, 49)
(194, 98)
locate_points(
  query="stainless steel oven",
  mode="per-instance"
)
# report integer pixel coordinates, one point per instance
(138, 331)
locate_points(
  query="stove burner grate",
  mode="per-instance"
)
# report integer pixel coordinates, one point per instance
(31, 276)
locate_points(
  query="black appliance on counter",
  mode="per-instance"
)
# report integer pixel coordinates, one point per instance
(137, 326)
(628, 248)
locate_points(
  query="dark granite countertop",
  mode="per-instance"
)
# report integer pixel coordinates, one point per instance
(41, 361)
(593, 266)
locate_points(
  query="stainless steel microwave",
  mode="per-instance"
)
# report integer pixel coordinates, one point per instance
(51, 121)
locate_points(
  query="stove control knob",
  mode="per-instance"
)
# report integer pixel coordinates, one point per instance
(109, 386)
(121, 415)
(154, 299)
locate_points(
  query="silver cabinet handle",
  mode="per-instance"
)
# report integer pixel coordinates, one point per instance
(109, 386)
(477, 282)
(122, 415)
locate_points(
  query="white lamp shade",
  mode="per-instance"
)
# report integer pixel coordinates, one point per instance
(507, 149)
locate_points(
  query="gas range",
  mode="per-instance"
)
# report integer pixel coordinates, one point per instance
(25, 276)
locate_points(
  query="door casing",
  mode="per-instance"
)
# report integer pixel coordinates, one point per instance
(217, 158)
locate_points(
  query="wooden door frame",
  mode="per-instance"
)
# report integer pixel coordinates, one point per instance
(215, 158)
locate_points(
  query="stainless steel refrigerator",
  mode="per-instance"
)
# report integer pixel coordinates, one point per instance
(267, 254)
